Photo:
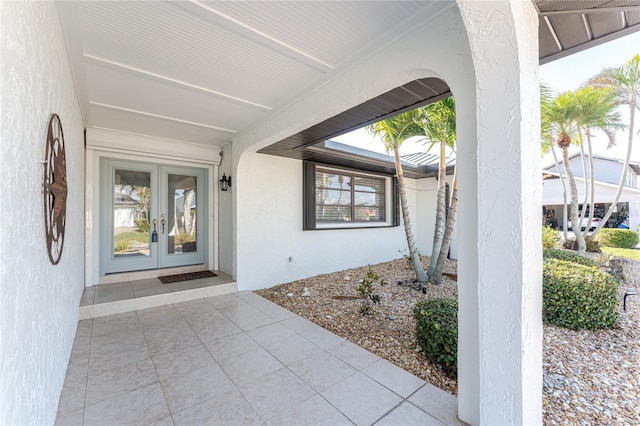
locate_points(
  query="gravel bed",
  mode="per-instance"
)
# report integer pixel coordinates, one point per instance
(590, 377)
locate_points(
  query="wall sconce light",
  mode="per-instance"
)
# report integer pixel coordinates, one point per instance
(225, 182)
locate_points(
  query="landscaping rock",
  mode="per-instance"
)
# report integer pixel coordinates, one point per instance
(589, 377)
(626, 270)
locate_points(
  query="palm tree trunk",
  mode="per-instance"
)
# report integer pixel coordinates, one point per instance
(438, 234)
(574, 203)
(632, 116)
(592, 186)
(436, 277)
(585, 181)
(421, 276)
(564, 195)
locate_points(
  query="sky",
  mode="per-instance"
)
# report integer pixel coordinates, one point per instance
(563, 74)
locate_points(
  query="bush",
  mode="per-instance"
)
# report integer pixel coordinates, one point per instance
(550, 237)
(142, 224)
(437, 331)
(568, 256)
(618, 238)
(577, 296)
(365, 288)
(121, 246)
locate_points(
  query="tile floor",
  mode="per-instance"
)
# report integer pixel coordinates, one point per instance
(235, 359)
(105, 293)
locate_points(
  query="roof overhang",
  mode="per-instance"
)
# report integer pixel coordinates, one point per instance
(567, 27)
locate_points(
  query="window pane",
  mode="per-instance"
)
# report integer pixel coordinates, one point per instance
(367, 214)
(333, 197)
(367, 199)
(131, 203)
(333, 214)
(342, 197)
(181, 219)
(369, 184)
(333, 181)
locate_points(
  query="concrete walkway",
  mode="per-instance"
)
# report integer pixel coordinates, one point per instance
(235, 359)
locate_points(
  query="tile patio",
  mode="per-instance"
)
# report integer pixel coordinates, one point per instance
(235, 359)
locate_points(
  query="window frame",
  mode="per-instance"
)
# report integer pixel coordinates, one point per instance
(310, 222)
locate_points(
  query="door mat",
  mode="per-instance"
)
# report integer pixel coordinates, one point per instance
(186, 277)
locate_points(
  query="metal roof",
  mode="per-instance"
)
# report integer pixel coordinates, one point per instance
(568, 27)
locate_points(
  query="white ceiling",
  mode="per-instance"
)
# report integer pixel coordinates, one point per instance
(204, 71)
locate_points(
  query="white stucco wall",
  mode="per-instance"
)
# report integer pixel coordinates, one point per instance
(503, 36)
(397, 63)
(487, 54)
(38, 301)
(272, 231)
(225, 218)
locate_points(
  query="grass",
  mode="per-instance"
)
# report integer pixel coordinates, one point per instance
(620, 252)
(142, 237)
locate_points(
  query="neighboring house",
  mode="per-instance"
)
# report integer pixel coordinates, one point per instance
(193, 90)
(606, 169)
(607, 173)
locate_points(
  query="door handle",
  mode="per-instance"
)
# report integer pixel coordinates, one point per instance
(163, 222)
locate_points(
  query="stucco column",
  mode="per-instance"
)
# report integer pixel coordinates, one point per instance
(500, 346)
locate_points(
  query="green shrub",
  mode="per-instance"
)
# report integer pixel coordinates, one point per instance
(365, 288)
(142, 224)
(618, 238)
(577, 296)
(568, 256)
(437, 331)
(121, 246)
(550, 237)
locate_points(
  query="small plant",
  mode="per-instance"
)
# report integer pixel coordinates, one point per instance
(550, 238)
(121, 246)
(568, 256)
(437, 331)
(603, 259)
(619, 238)
(365, 288)
(578, 297)
(142, 225)
(407, 258)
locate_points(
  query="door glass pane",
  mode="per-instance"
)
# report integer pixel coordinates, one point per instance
(131, 203)
(181, 214)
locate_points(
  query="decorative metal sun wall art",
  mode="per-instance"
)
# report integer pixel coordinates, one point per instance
(55, 189)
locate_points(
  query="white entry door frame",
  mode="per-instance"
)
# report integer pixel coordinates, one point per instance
(101, 144)
(170, 200)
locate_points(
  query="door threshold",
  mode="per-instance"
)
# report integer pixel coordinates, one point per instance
(150, 273)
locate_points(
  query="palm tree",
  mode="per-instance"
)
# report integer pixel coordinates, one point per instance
(548, 144)
(597, 110)
(567, 118)
(439, 124)
(561, 115)
(394, 132)
(625, 81)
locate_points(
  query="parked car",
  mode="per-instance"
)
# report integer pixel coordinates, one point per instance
(594, 222)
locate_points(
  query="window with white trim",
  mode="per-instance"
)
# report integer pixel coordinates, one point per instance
(341, 198)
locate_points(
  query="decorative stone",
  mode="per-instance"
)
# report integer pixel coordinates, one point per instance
(626, 270)
(290, 295)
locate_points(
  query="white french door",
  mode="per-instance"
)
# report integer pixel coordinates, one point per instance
(154, 216)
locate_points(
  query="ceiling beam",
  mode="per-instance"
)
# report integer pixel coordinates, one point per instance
(102, 61)
(592, 10)
(162, 117)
